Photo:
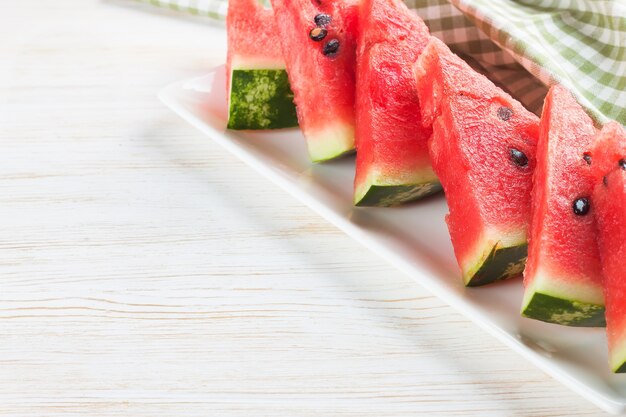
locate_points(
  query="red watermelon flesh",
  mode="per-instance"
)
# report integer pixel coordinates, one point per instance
(243, 21)
(563, 277)
(392, 163)
(321, 72)
(483, 151)
(609, 203)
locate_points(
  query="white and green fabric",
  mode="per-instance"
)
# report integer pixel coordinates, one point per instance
(214, 9)
(523, 45)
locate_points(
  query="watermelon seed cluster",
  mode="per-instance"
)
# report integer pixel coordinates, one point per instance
(319, 32)
(581, 206)
(518, 157)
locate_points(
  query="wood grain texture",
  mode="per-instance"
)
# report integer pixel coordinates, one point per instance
(146, 272)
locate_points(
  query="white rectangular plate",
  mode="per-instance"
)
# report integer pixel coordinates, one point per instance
(413, 238)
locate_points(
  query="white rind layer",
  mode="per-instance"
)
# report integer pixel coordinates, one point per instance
(617, 355)
(330, 142)
(578, 289)
(241, 62)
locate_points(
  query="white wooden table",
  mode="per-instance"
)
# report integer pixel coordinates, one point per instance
(145, 272)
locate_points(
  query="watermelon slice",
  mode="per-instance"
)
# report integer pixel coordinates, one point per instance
(319, 42)
(563, 276)
(483, 151)
(259, 93)
(609, 204)
(392, 163)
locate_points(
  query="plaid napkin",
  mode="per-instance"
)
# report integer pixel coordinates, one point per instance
(215, 9)
(522, 45)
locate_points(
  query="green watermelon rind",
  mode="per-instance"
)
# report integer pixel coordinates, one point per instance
(563, 301)
(551, 309)
(378, 191)
(502, 261)
(391, 195)
(260, 99)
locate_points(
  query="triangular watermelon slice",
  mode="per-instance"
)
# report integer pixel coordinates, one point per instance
(483, 151)
(392, 162)
(318, 42)
(563, 276)
(609, 204)
(259, 96)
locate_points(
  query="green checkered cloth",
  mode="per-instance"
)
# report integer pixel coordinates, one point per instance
(214, 9)
(522, 45)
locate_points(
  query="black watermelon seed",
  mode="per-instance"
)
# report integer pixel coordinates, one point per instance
(605, 181)
(581, 206)
(587, 158)
(322, 19)
(518, 157)
(317, 34)
(331, 47)
(505, 113)
(622, 164)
